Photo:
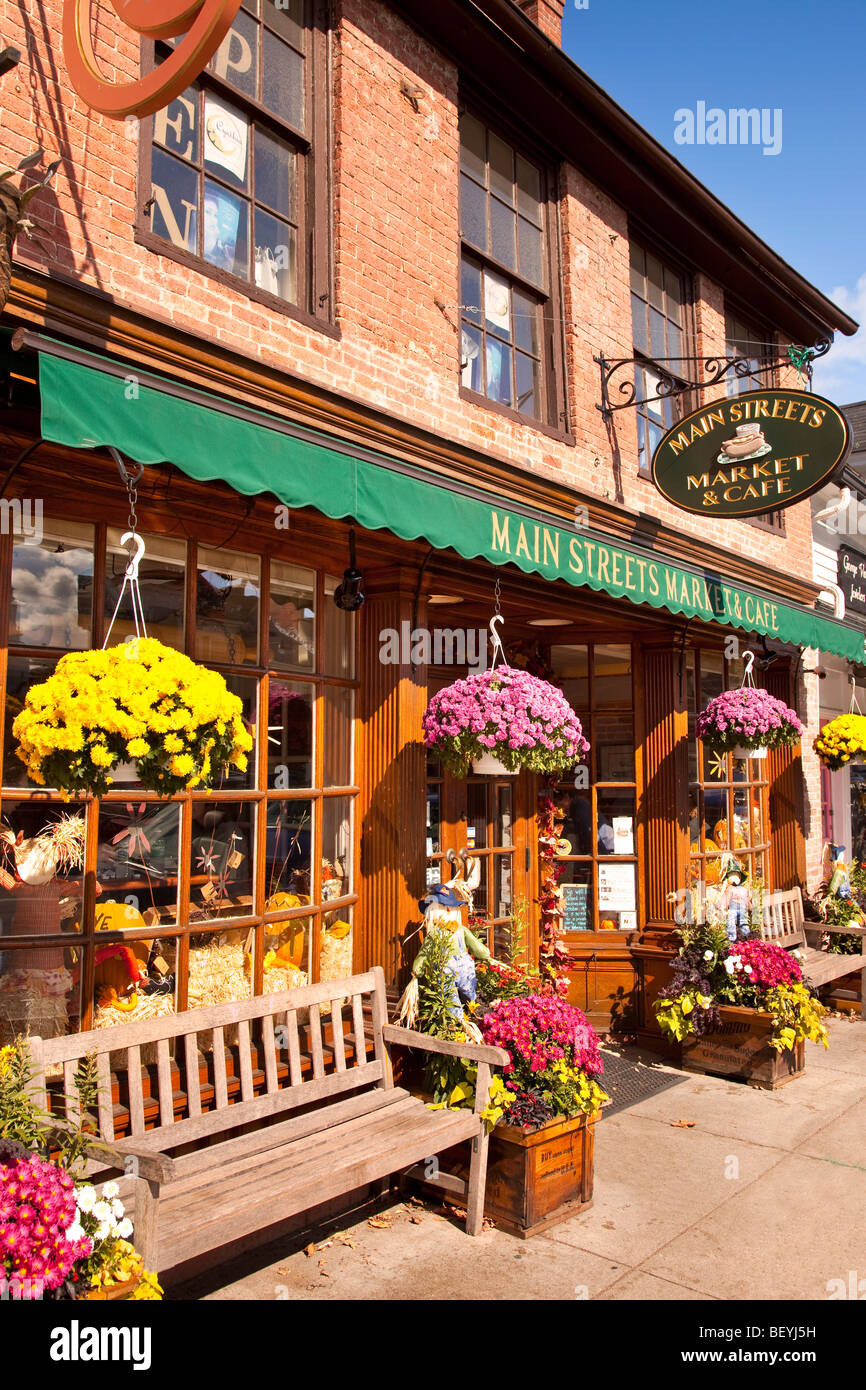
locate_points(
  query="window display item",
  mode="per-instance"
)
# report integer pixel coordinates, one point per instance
(735, 901)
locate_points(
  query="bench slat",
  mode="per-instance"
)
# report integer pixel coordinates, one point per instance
(197, 1193)
(220, 1082)
(316, 1043)
(193, 1082)
(247, 1145)
(233, 1116)
(337, 1030)
(75, 1045)
(360, 1036)
(244, 1059)
(71, 1103)
(343, 1173)
(136, 1094)
(105, 1108)
(163, 1072)
(293, 1047)
(270, 1056)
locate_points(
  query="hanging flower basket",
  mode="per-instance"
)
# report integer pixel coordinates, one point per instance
(143, 702)
(743, 721)
(489, 766)
(510, 715)
(842, 740)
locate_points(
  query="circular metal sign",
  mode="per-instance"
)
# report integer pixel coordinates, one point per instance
(203, 24)
(744, 455)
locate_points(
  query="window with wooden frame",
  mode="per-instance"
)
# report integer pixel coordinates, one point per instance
(204, 897)
(728, 811)
(660, 328)
(598, 884)
(235, 168)
(510, 340)
(747, 340)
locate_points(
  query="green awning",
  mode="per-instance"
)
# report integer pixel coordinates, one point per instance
(86, 406)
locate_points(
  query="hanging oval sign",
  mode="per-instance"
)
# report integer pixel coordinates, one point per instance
(743, 455)
(199, 25)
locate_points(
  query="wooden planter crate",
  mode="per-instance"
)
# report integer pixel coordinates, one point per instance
(739, 1049)
(535, 1178)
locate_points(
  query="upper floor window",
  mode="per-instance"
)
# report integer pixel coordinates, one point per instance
(659, 328)
(509, 350)
(235, 184)
(746, 340)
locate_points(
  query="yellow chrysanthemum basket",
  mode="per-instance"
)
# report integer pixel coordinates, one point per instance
(141, 702)
(842, 740)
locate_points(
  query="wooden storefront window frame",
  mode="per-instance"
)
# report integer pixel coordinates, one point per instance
(729, 787)
(260, 795)
(578, 941)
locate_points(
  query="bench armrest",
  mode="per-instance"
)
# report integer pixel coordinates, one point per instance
(472, 1052)
(155, 1167)
(819, 928)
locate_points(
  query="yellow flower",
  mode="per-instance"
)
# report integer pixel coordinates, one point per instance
(138, 748)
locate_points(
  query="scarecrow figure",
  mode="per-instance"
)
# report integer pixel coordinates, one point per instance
(736, 902)
(442, 914)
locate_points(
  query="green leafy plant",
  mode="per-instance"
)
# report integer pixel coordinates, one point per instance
(67, 1140)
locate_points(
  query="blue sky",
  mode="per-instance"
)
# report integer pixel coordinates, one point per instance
(806, 58)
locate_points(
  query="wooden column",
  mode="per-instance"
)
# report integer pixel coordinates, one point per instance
(663, 823)
(392, 801)
(665, 810)
(787, 816)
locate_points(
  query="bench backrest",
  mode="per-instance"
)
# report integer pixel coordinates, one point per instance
(782, 920)
(275, 1017)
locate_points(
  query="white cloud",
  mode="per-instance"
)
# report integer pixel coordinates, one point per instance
(841, 375)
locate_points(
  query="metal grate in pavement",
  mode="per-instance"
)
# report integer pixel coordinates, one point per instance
(627, 1079)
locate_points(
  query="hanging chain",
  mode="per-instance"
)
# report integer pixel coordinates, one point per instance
(855, 707)
(495, 624)
(130, 477)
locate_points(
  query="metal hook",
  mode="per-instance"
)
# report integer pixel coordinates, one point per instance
(748, 663)
(497, 640)
(128, 476)
(134, 560)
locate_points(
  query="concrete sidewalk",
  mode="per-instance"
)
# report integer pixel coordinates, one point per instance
(764, 1197)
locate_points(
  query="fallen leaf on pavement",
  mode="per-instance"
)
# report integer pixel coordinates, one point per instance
(415, 1220)
(380, 1223)
(683, 1124)
(310, 1249)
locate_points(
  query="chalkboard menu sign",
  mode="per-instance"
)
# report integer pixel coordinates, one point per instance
(576, 905)
(852, 578)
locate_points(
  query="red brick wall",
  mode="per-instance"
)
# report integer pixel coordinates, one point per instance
(395, 252)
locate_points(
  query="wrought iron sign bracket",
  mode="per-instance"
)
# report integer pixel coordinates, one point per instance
(715, 369)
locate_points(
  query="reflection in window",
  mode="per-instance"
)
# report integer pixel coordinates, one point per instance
(291, 616)
(137, 864)
(227, 608)
(223, 855)
(290, 735)
(52, 587)
(162, 584)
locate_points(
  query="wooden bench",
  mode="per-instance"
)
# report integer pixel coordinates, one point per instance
(248, 1164)
(785, 925)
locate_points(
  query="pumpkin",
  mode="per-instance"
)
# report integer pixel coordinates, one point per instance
(712, 870)
(607, 924)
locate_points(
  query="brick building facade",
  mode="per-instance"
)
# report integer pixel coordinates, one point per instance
(350, 318)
